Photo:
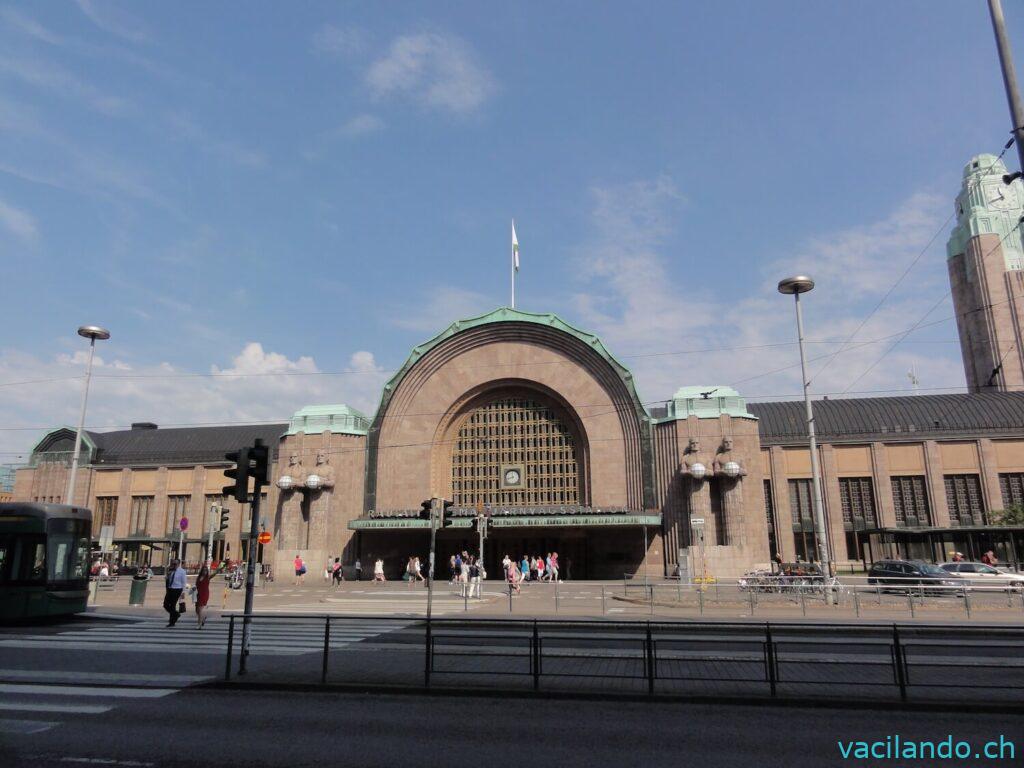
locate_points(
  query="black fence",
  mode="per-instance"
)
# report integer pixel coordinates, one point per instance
(954, 663)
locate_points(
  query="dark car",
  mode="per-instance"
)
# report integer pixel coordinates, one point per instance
(912, 573)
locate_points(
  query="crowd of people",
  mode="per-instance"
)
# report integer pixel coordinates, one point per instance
(530, 568)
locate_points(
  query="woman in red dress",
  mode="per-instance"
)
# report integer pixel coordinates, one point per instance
(202, 594)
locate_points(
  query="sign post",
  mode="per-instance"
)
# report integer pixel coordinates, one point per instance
(182, 527)
(697, 524)
(435, 507)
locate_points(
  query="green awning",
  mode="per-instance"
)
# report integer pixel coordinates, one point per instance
(517, 521)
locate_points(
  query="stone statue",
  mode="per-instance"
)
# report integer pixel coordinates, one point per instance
(726, 464)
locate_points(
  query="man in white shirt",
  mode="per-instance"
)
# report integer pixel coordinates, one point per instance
(176, 581)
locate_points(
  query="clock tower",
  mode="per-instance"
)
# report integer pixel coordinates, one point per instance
(986, 276)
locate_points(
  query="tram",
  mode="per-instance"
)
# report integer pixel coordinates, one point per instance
(44, 560)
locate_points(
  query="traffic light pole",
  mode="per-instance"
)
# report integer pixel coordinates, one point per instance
(209, 534)
(434, 507)
(261, 475)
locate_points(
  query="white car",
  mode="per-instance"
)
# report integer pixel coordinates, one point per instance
(981, 575)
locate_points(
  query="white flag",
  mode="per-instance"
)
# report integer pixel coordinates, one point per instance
(515, 248)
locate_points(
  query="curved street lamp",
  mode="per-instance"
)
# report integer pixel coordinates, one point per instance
(92, 333)
(795, 286)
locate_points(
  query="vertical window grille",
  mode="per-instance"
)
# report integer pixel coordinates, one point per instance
(1012, 486)
(515, 431)
(106, 513)
(910, 499)
(963, 495)
(177, 508)
(856, 495)
(138, 523)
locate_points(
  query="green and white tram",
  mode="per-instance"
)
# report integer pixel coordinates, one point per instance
(44, 560)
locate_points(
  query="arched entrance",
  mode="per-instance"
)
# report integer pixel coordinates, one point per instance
(515, 451)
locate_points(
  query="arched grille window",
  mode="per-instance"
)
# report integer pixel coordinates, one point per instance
(514, 433)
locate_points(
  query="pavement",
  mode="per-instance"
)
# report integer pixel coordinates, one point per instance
(578, 599)
(165, 727)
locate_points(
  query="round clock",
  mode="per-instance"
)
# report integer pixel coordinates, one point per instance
(512, 477)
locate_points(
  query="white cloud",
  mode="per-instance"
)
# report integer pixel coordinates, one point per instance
(361, 125)
(643, 310)
(45, 74)
(345, 41)
(112, 21)
(445, 301)
(18, 222)
(256, 385)
(436, 70)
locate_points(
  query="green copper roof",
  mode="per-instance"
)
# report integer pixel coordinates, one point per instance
(708, 402)
(508, 315)
(986, 205)
(339, 419)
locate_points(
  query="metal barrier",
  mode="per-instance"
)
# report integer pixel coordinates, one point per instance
(774, 659)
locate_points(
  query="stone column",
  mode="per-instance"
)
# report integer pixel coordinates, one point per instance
(989, 469)
(886, 511)
(936, 485)
(780, 497)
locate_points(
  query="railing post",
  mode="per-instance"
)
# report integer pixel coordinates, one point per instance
(700, 600)
(679, 588)
(327, 647)
(535, 656)
(602, 601)
(750, 595)
(231, 642)
(510, 597)
(556, 596)
(856, 600)
(910, 601)
(803, 600)
(649, 647)
(427, 655)
(967, 601)
(898, 663)
(769, 658)
(243, 649)
(650, 592)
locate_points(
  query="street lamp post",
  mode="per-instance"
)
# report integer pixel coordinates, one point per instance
(795, 286)
(92, 333)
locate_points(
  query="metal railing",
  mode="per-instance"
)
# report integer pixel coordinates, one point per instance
(767, 659)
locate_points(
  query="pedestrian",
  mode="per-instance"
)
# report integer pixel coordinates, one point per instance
(300, 570)
(202, 595)
(540, 568)
(533, 568)
(337, 572)
(957, 557)
(989, 558)
(175, 581)
(417, 569)
(474, 577)
(378, 570)
(464, 574)
(554, 566)
(329, 570)
(524, 568)
(410, 570)
(453, 565)
(514, 577)
(359, 570)
(104, 570)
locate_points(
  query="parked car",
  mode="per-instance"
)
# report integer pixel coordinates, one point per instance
(982, 575)
(912, 573)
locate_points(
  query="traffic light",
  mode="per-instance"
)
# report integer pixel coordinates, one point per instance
(425, 508)
(239, 473)
(224, 518)
(260, 456)
(446, 518)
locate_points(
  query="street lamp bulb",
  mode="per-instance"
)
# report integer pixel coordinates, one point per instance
(697, 471)
(93, 332)
(731, 469)
(285, 483)
(313, 482)
(796, 284)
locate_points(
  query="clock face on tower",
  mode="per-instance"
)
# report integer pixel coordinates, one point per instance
(512, 477)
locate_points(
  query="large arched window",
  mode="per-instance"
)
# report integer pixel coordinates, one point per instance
(514, 438)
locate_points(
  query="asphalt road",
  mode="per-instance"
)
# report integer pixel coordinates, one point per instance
(198, 727)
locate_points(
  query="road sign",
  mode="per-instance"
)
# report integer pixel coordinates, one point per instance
(183, 523)
(106, 538)
(264, 538)
(696, 521)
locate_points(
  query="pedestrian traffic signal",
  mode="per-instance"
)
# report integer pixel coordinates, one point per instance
(239, 473)
(260, 457)
(425, 508)
(446, 518)
(224, 521)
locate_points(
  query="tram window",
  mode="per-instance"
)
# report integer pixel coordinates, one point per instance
(28, 559)
(5, 558)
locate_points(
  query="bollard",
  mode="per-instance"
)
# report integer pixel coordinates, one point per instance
(510, 598)
(556, 597)
(856, 601)
(651, 593)
(878, 591)
(967, 602)
(910, 601)
(327, 647)
(231, 640)
(465, 600)
(602, 601)
(803, 601)
(750, 594)
(679, 589)
(700, 600)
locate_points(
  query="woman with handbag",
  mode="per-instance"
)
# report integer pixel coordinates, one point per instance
(202, 595)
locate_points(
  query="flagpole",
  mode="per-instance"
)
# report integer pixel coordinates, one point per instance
(513, 264)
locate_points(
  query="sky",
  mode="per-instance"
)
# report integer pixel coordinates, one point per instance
(269, 204)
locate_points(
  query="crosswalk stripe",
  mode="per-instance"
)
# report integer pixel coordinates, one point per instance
(58, 690)
(78, 709)
(74, 677)
(25, 726)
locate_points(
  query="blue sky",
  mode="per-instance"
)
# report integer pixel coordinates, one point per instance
(313, 188)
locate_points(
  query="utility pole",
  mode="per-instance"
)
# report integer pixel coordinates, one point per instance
(435, 506)
(209, 533)
(995, 9)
